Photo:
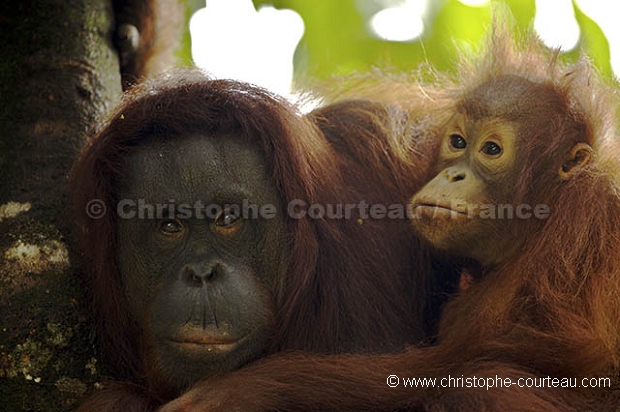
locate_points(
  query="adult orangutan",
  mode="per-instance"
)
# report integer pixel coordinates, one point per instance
(526, 195)
(214, 251)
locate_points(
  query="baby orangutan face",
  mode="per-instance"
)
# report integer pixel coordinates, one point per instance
(472, 202)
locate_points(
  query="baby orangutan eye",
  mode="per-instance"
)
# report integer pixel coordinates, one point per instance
(491, 149)
(457, 141)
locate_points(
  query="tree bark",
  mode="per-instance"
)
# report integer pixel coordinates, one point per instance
(58, 74)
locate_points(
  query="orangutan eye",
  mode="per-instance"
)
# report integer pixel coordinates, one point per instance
(171, 227)
(457, 141)
(228, 222)
(227, 218)
(491, 149)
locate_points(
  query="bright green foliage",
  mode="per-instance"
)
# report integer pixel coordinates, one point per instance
(337, 40)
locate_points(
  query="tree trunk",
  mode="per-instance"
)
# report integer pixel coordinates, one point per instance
(58, 74)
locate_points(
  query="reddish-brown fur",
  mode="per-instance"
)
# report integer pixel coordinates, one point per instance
(158, 23)
(550, 310)
(351, 286)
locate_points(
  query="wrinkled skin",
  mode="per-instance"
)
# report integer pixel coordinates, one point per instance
(198, 276)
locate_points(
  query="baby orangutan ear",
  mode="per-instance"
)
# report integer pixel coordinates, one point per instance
(580, 156)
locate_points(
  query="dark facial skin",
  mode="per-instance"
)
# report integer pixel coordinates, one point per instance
(200, 288)
(480, 164)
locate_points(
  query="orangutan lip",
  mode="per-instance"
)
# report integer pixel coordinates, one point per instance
(204, 341)
(201, 347)
(208, 343)
(438, 207)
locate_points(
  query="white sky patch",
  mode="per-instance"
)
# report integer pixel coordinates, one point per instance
(556, 25)
(401, 23)
(230, 39)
